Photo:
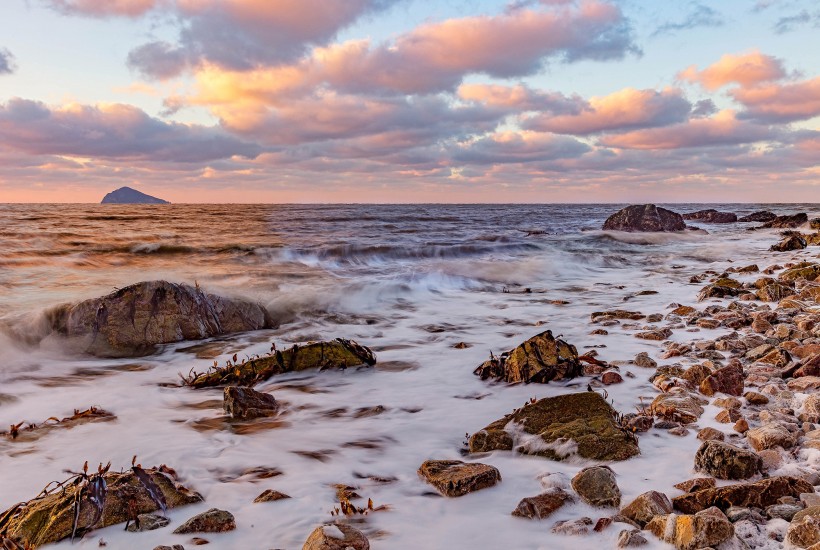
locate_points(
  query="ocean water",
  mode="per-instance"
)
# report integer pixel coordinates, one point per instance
(409, 281)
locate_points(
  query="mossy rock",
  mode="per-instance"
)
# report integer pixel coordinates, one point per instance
(557, 427)
(338, 353)
(542, 358)
(51, 518)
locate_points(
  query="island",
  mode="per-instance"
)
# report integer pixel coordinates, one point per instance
(126, 195)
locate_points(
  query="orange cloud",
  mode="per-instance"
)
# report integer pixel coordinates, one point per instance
(518, 97)
(781, 102)
(745, 69)
(105, 8)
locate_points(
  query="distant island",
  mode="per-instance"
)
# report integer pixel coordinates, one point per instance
(126, 195)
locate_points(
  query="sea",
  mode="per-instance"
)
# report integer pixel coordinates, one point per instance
(409, 281)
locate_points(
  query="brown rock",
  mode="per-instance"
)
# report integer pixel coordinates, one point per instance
(611, 377)
(246, 403)
(269, 495)
(804, 383)
(711, 434)
(645, 217)
(647, 506)
(542, 358)
(804, 529)
(741, 426)
(770, 436)
(212, 521)
(794, 241)
(631, 539)
(727, 380)
(696, 484)
(711, 216)
(725, 461)
(728, 416)
(704, 529)
(454, 478)
(657, 335)
(697, 374)
(758, 494)
(543, 505)
(336, 536)
(596, 486)
(754, 398)
(678, 407)
(786, 222)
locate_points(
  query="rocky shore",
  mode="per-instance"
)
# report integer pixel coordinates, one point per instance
(749, 395)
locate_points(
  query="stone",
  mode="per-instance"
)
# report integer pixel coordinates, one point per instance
(212, 521)
(611, 377)
(811, 409)
(782, 511)
(755, 398)
(786, 222)
(696, 484)
(174, 547)
(646, 217)
(683, 311)
(711, 434)
(758, 494)
(727, 380)
(269, 495)
(770, 436)
(338, 354)
(596, 486)
(795, 241)
(725, 461)
(804, 383)
(454, 478)
(728, 416)
(646, 506)
(128, 195)
(148, 522)
(631, 539)
(711, 216)
(558, 427)
(678, 407)
(135, 319)
(616, 314)
(762, 216)
(336, 536)
(806, 270)
(696, 374)
(707, 528)
(543, 505)
(741, 426)
(576, 527)
(804, 529)
(245, 403)
(656, 335)
(542, 359)
(772, 293)
(718, 291)
(50, 519)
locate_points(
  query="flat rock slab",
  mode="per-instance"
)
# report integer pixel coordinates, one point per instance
(558, 427)
(454, 478)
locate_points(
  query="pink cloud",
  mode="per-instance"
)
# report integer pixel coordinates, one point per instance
(107, 8)
(519, 97)
(781, 102)
(745, 69)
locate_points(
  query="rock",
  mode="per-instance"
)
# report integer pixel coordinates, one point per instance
(762, 216)
(645, 217)
(678, 407)
(647, 506)
(596, 486)
(696, 374)
(770, 436)
(755, 398)
(454, 478)
(212, 521)
(148, 522)
(795, 241)
(741, 426)
(782, 511)
(804, 383)
(773, 293)
(711, 434)
(611, 377)
(336, 536)
(557, 427)
(711, 216)
(246, 403)
(174, 547)
(133, 320)
(542, 358)
(683, 311)
(692, 485)
(269, 495)
(706, 528)
(758, 494)
(616, 314)
(543, 505)
(804, 529)
(631, 539)
(718, 291)
(575, 527)
(806, 270)
(814, 223)
(786, 222)
(728, 416)
(643, 360)
(50, 519)
(725, 461)
(811, 409)
(727, 380)
(127, 195)
(338, 353)
(657, 334)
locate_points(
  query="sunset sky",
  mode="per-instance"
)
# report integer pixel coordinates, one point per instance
(411, 100)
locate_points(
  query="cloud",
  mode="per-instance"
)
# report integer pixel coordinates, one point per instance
(113, 131)
(722, 129)
(162, 60)
(519, 97)
(7, 65)
(106, 8)
(746, 69)
(517, 147)
(700, 16)
(623, 110)
(779, 103)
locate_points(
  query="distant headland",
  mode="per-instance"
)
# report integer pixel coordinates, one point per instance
(126, 195)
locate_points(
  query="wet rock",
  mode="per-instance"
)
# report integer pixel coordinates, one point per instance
(454, 478)
(794, 241)
(631, 539)
(804, 384)
(811, 409)
(692, 485)
(758, 494)
(269, 495)
(770, 436)
(597, 316)
(657, 334)
(773, 293)
(711, 434)
(782, 511)
(611, 377)
(696, 374)
(725, 461)
(806, 270)
(711, 216)
(647, 506)
(336, 536)
(148, 522)
(212, 521)
(704, 529)
(718, 291)
(338, 353)
(643, 360)
(50, 519)
(174, 547)
(728, 416)
(246, 403)
(558, 427)
(543, 505)
(574, 527)
(542, 358)
(596, 486)
(133, 320)
(804, 529)
(755, 398)
(762, 216)
(640, 423)
(646, 217)
(727, 380)
(786, 222)
(678, 407)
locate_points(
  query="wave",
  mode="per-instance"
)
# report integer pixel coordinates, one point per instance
(648, 238)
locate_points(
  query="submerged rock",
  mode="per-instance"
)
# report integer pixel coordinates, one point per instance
(758, 494)
(454, 478)
(542, 358)
(336, 536)
(338, 353)
(558, 427)
(644, 217)
(133, 320)
(711, 216)
(245, 403)
(51, 518)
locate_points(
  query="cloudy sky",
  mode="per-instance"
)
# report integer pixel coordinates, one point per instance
(411, 100)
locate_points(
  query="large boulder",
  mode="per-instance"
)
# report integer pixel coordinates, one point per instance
(454, 478)
(559, 427)
(758, 494)
(50, 518)
(710, 216)
(644, 217)
(542, 358)
(133, 320)
(725, 461)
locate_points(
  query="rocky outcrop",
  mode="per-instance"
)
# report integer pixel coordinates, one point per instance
(559, 427)
(336, 536)
(212, 521)
(725, 461)
(454, 478)
(245, 403)
(761, 216)
(644, 217)
(758, 494)
(786, 222)
(133, 320)
(596, 486)
(127, 195)
(711, 216)
(542, 358)
(705, 529)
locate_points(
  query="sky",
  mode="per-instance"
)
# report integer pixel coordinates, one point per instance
(396, 101)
